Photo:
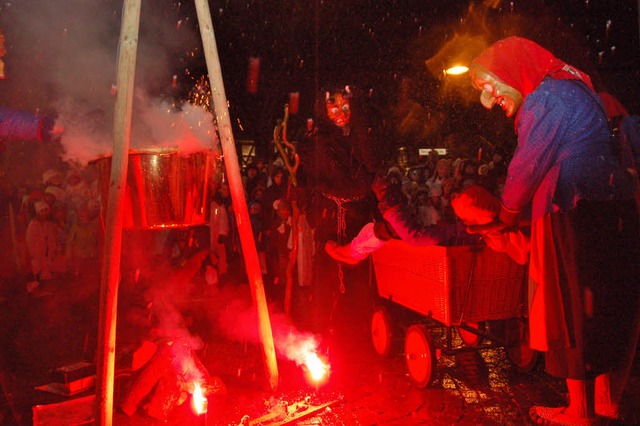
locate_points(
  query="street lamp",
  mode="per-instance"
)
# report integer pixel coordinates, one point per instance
(455, 56)
(456, 70)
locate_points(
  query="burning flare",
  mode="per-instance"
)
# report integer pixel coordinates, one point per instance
(317, 368)
(200, 402)
(302, 348)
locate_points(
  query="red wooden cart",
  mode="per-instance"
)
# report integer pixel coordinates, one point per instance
(448, 299)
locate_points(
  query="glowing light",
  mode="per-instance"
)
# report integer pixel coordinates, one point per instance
(200, 403)
(456, 70)
(317, 368)
(302, 348)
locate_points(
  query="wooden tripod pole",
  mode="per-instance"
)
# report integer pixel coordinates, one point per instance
(254, 273)
(114, 218)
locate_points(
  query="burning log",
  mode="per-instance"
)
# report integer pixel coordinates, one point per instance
(166, 381)
(168, 394)
(158, 366)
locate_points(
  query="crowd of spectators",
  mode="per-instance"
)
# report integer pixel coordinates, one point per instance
(428, 186)
(51, 228)
(57, 228)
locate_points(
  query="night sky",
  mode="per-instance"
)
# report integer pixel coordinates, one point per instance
(305, 46)
(379, 46)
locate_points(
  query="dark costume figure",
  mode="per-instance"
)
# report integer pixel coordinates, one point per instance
(346, 151)
(251, 180)
(338, 164)
(277, 251)
(585, 250)
(341, 159)
(277, 190)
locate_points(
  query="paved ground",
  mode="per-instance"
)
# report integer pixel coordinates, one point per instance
(40, 334)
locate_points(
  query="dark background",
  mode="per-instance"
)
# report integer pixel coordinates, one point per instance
(68, 50)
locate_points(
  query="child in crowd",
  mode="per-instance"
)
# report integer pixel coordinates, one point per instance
(52, 180)
(41, 242)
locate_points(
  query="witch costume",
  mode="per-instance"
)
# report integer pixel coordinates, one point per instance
(585, 250)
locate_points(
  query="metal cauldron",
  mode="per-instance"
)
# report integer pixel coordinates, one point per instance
(165, 189)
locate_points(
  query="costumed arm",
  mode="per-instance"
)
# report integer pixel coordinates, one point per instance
(540, 127)
(411, 232)
(405, 225)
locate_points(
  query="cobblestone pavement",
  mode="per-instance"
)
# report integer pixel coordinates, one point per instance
(471, 387)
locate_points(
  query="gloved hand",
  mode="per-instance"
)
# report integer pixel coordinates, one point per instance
(506, 220)
(388, 194)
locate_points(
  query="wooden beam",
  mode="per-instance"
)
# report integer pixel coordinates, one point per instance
(240, 208)
(105, 360)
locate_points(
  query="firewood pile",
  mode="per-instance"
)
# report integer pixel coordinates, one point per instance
(167, 380)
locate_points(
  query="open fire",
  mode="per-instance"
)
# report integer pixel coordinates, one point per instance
(167, 378)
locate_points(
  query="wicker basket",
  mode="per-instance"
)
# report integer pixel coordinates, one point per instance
(451, 284)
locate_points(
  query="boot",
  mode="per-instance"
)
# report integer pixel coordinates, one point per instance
(340, 253)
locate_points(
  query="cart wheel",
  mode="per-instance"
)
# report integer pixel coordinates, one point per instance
(382, 331)
(470, 338)
(420, 355)
(518, 350)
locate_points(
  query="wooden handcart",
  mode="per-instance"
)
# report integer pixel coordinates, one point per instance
(447, 299)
